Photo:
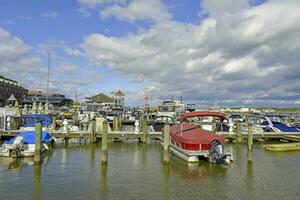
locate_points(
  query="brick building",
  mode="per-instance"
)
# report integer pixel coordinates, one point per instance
(9, 87)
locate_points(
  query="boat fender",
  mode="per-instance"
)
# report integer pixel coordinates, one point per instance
(55, 140)
(227, 160)
(46, 146)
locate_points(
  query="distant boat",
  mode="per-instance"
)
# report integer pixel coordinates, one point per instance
(23, 144)
(29, 122)
(277, 123)
(190, 142)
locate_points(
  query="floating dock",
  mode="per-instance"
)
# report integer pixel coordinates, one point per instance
(283, 147)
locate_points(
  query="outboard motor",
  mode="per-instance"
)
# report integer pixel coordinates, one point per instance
(217, 152)
(16, 148)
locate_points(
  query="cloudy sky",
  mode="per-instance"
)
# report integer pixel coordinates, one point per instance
(233, 52)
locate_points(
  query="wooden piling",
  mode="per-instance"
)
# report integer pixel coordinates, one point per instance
(239, 132)
(92, 131)
(120, 123)
(66, 139)
(38, 142)
(166, 158)
(250, 137)
(99, 124)
(144, 130)
(250, 143)
(104, 143)
(115, 123)
(53, 127)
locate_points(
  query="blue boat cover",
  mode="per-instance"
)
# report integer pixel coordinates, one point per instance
(284, 128)
(46, 121)
(276, 115)
(29, 137)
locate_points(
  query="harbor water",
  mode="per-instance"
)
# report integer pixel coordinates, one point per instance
(135, 171)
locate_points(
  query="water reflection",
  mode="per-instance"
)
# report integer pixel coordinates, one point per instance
(103, 181)
(166, 181)
(93, 154)
(37, 182)
(136, 171)
(18, 164)
(238, 151)
(200, 170)
(250, 176)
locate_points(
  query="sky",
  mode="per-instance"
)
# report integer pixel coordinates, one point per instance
(233, 52)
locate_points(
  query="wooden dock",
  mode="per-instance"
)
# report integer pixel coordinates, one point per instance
(87, 134)
(291, 136)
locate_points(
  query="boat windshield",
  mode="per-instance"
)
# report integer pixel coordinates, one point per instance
(200, 121)
(166, 108)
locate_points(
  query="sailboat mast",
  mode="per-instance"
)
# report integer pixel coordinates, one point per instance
(47, 96)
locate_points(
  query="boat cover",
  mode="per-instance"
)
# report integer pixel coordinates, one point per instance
(45, 120)
(191, 134)
(284, 128)
(203, 114)
(29, 137)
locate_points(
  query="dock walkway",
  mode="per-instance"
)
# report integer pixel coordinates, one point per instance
(291, 136)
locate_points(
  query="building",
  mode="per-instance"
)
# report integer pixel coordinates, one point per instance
(10, 87)
(56, 100)
(102, 100)
(119, 98)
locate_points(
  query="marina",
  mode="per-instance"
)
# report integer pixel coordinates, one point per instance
(149, 99)
(78, 170)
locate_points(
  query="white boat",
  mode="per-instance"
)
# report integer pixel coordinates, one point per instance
(23, 144)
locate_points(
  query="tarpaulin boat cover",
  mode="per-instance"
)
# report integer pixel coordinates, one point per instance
(29, 137)
(30, 120)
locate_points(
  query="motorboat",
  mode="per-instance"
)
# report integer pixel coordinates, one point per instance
(277, 123)
(160, 121)
(23, 144)
(191, 141)
(29, 122)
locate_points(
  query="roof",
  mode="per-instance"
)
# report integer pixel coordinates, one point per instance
(119, 93)
(12, 98)
(101, 98)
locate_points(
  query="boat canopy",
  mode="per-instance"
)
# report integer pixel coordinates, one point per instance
(203, 114)
(276, 115)
(45, 120)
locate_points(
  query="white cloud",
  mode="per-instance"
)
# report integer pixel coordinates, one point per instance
(72, 51)
(52, 15)
(238, 65)
(237, 54)
(67, 68)
(87, 5)
(91, 3)
(24, 17)
(8, 22)
(138, 10)
(18, 61)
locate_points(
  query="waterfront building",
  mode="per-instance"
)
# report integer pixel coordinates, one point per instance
(10, 87)
(102, 100)
(56, 100)
(104, 103)
(119, 98)
(116, 99)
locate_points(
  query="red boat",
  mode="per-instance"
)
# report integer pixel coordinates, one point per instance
(190, 141)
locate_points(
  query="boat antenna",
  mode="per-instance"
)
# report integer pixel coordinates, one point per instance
(47, 90)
